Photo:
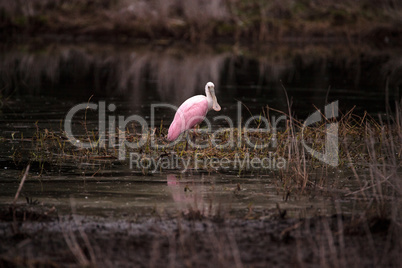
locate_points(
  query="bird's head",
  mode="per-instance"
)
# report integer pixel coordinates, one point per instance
(210, 91)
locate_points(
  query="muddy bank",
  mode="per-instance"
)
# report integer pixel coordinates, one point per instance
(230, 21)
(192, 240)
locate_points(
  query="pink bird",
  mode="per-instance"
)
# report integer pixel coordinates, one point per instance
(193, 111)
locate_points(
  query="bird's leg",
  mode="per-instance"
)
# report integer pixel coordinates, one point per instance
(186, 141)
(194, 135)
(191, 135)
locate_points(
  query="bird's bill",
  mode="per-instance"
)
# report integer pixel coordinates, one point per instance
(215, 104)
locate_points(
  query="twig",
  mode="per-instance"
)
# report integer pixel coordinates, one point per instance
(21, 184)
(15, 226)
(290, 228)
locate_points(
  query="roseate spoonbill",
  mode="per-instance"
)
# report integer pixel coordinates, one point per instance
(193, 111)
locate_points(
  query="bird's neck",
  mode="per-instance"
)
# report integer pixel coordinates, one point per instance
(209, 99)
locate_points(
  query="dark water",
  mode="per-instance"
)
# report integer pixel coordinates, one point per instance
(135, 77)
(39, 85)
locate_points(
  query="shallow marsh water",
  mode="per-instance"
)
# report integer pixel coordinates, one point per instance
(129, 196)
(40, 85)
(124, 211)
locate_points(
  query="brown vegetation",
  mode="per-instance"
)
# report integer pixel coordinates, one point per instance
(197, 20)
(369, 235)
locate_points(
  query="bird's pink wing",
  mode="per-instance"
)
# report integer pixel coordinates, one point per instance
(190, 113)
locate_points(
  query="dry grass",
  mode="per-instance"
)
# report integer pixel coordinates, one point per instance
(364, 143)
(370, 148)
